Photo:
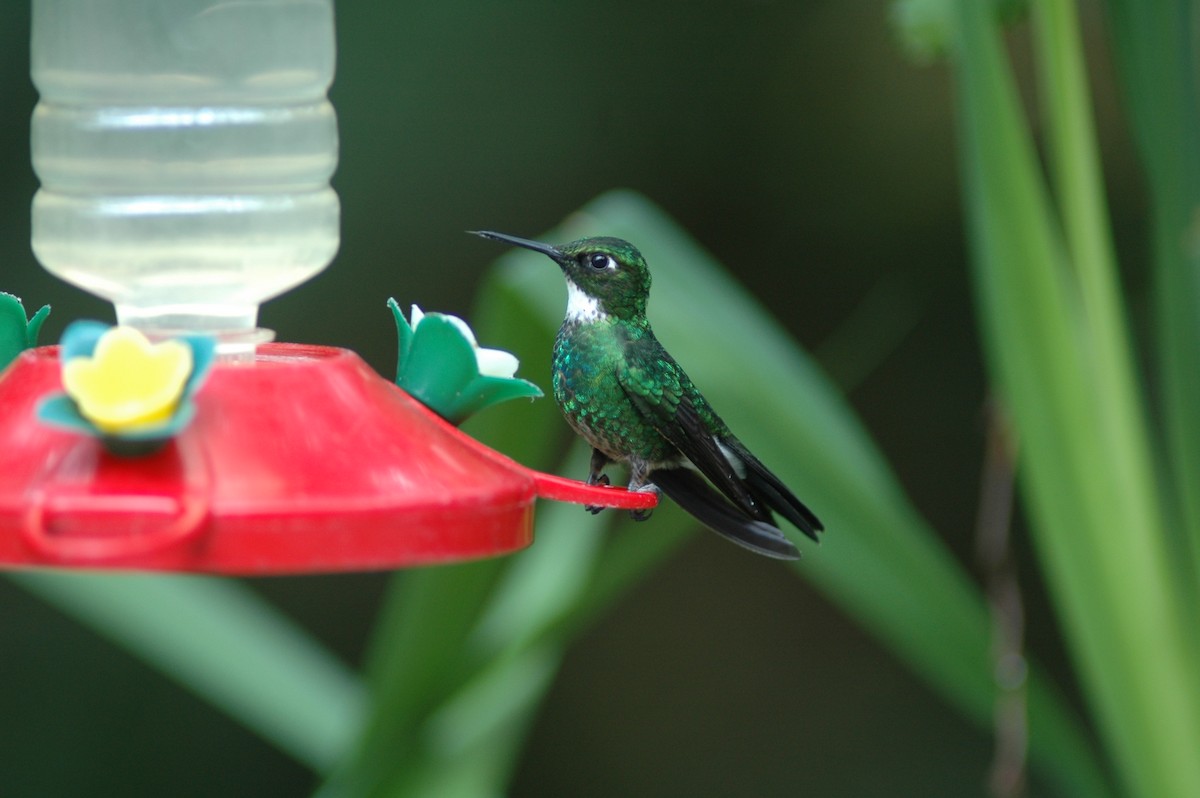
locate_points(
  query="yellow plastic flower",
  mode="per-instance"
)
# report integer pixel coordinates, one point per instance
(128, 382)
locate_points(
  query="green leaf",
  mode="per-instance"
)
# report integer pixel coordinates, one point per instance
(1055, 338)
(926, 27)
(923, 26)
(1158, 55)
(419, 655)
(226, 644)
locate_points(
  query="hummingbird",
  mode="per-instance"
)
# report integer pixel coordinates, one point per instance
(625, 395)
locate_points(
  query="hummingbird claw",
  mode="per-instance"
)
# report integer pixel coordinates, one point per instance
(597, 478)
(639, 484)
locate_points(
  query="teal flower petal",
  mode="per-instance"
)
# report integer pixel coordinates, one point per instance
(204, 354)
(58, 410)
(80, 337)
(485, 391)
(34, 328)
(440, 364)
(404, 336)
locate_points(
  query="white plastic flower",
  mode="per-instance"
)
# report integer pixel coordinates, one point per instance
(491, 362)
(440, 363)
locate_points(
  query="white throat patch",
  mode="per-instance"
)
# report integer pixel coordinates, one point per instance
(582, 308)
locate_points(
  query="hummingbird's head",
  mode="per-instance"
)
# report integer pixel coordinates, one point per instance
(605, 276)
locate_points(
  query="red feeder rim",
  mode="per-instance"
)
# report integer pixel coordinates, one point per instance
(302, 461)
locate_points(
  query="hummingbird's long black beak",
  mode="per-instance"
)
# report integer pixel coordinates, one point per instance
(536, 246)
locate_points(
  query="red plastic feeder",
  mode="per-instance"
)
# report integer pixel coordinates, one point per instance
(299, 460)
(304, 460)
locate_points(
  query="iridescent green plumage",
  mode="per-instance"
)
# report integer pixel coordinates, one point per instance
(620, 389)
(599, 369)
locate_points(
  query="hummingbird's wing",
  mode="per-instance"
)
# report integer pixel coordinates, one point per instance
(663, 394)
(666, 397)
(770, 490)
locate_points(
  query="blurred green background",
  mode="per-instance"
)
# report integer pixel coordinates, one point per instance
(798, 144)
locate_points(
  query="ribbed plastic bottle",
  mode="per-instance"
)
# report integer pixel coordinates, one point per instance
(185, 149)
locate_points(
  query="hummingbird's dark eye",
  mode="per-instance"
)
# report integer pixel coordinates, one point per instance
(599, 261)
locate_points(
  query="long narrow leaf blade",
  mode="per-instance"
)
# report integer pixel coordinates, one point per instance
(1158, 53)
(226, 644)
(1100, 533)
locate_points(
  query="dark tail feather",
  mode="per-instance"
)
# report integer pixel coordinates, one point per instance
(776, 496)
(769, 490)
(693, 494)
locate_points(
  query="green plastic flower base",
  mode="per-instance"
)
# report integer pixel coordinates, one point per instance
(302, 461)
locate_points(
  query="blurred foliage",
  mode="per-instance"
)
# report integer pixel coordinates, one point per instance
(795, 143)
(883, 565)
(1062, 356)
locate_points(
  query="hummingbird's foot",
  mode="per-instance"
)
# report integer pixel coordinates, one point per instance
(642, 487)
(596, 475)
(596, 479)
(601, 479)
